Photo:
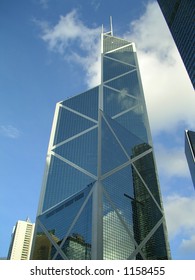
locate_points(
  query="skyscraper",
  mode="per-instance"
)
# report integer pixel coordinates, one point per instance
(190, 152)
(100, 197)
(21, 242)
(179, 15)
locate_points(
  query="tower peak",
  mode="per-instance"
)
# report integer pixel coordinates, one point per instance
(111, 27)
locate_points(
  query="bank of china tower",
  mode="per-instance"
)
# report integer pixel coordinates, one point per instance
(100, 197)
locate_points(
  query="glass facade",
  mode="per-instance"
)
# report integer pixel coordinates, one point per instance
(100, 197)
(179, 15)
(190, 152)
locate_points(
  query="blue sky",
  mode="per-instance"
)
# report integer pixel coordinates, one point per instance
(49, 51)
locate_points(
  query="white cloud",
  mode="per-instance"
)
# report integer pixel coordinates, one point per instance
(96, 4)
(171, 161)
(168, 91)
(169, 102)
(116, 237)
(44, 3)
(76, 42)
(9, 131)
(180, 213)
(188, 245)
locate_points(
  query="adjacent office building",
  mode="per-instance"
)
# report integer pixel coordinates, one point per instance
(190, 152)
(21, 242)
(100, 197)
(179, 15)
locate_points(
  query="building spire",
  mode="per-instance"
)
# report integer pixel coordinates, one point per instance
(111, 28)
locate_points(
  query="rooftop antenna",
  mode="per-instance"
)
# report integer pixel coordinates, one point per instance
(111, 28)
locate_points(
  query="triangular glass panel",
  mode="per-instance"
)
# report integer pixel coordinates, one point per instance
(117, 102)
(42, 246)
(82, 151)
(69, 124)
(63, 181)
(117, 242)
(114, 68)
(60, 218)
(59, 257)
(112, 154)
(146, 168)
(127, 84)
(128, 140)
(77, 246)
(124, 54)
(146, 213)
(155, 248)
(110, 43)
(138, 257)
(85, 103)
(119, 187)
(134, 121)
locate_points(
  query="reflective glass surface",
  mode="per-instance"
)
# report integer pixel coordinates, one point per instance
(63, 181)
(85, 103)
(69, 124)
(190, 152)
(69, 225)
(124, 54)
(134, 122)
(127, 84)
(117, 244)
(155, 248)
(127, 139)
(113, 68)
(101, 169)
(116, 102)
(111, 43)
(82, 151)
(112, 154)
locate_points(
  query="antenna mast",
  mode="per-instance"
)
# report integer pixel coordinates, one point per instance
(111, 28)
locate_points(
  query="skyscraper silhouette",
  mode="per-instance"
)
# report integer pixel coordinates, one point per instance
(190, 152)
(100, 197)
(179, 15)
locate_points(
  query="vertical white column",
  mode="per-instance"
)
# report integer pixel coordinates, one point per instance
(97, 205)
(97, 225)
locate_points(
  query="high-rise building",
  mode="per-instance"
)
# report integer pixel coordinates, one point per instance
(21, 241)
(190, 152)
(179, 15)
(100, 197)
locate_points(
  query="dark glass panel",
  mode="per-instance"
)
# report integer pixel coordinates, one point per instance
(146, 214)
(114, 68)
(127, 84)
(59, 257)
(63, 181)
(155, 248)
(112, 154)
(126, 138)
(59, 219)
(78, 244)
(118, 185)
(69, 124)
(117, 102)
(82, 151)
(146, 168)
(111, 43)
(133, 121)
(125, 54)
(139, 257)
(85, 103)
(191, 135)
(42, 246)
